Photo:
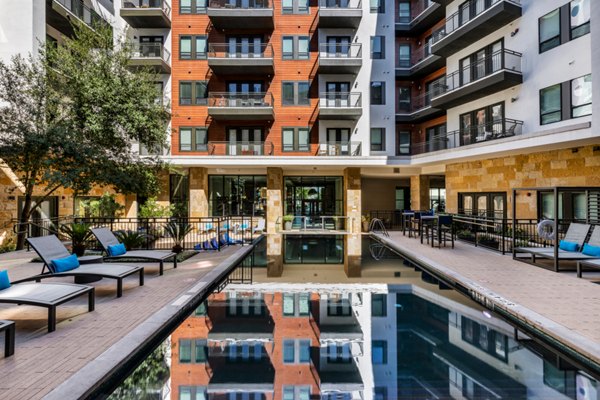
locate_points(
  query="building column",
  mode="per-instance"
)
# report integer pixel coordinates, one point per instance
(131, 206)
(419, 192)
(353, 209)
(274, 213)
(198, 180)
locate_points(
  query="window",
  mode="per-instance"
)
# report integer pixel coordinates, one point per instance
(404, 12)
(339, 305)
(550, 104)
(580, 18)
(193, 351)
(192, 393)
(566, 23)
(404, 100)
(571, 205)
(377, 139)
(379, 305)
(339, 353)
(482, 63)
(193, 139)
(296, 139)
(192, 47)
(294, 7)
(294, 93)
(484, 124)
(379, 352)
(484, 338)
(193, 93)
(192, 6)
(404, 55)
(296, 351)
(483, 204)
(237, 195)
(435, 138)
(377, 47)
(377, 6)
(296, 305)
(403, 143)
(200, 310)
(581, 96)
(296, 392)
(377, 93)
(402, 198)
(549, 26)
(245, 352)
(295, 47)
(437, 199)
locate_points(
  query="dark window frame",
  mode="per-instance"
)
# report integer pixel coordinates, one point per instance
(194, 9)
(489, 211)
(380, 55)
(399, 143)
(194, 55)
(572, 107)
(382, 145)
(194, 146)
(296, 101)
(560, 112)
(296, 146)
(295, 55)
(383, 94)
(194, 92)
(295, 9)
(195, 344)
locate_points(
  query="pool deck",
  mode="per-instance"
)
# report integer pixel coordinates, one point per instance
(562, 306)
(43, 361)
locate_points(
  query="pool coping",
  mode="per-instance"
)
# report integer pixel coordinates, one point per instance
(578, 347)
(98, 377)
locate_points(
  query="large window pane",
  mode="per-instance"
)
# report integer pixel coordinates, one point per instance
(303, 93)
(550, 104)
(550, 30)
(201, 93)
(185, 93)
(379, 352)
(185, 351)
(303, 139)
(304, 356)
(288, 47)
(288, 304)
(185, 47)
(185, 139)
(580, 18)
(287, 97)
(201, 47)
(201, 139)
(581, 96)
(303, 48)
(377, 93)
(288, 351)
(288, 140)
(379, 305)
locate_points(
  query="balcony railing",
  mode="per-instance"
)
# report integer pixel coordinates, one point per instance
(340, 100)
(250, 50)
(236, 100)
(345, 149)
(149, 50)
(500, 60)
(416, 8)
(148, 4)
(241, 4)
(466, 13)
(341, 4)
(498, 129)
(416, 103)
(83, 12)
(416, 57)
(245, 148)
(315, 224)
(337, 51)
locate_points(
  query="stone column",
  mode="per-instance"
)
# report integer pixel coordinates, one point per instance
(131, 206)
(353, 209)
(274, 212)
(198, 192)
(163, 197)
(419, 192)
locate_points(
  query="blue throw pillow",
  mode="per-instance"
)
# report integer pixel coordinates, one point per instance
(65, 264)
(568, 246)
(4, 281)
(116, 250)
(590, 250)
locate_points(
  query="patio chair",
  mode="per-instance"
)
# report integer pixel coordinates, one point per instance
(106, 238)
(49, 295)
(49, 248)
(594, 240)
(260, 226)
(595, 264)
(442, 230)
(576, 233)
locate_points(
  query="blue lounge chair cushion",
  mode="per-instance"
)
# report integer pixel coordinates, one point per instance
(198, 246)
(214, 243)
(568, 246)
(65, 264)
(116, 250)
(590, 250)
(4, 281)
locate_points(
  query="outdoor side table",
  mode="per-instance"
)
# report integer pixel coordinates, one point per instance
(97, 259)
(8, 327)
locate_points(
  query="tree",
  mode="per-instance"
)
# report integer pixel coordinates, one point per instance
(69, 115)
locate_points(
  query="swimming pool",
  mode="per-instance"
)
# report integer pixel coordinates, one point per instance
(416, 340)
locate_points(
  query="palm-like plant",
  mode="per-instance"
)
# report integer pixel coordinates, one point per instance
(177, 231)
(79, 233)
(132, 239)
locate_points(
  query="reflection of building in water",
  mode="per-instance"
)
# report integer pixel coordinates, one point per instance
(360, 342)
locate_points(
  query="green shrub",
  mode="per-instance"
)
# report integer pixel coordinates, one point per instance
(132, 239)
(152, 209)
(104, 207)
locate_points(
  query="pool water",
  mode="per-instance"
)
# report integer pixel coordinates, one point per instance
(412, 340)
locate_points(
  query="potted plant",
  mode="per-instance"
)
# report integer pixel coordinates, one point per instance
(79, 233)
(287, 222)
(132, 239)
(365, 219)
(177, 232)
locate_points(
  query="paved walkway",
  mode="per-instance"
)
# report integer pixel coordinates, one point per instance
(42, 360)
(565, 307)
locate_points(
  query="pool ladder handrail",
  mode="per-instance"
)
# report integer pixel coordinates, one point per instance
(377, 224)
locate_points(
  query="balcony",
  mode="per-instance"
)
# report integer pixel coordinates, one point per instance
(419, 109)
(153, 56)
(422, 62)
(241, 59)
(146, 13)
(502, 70)
(241, 106)
(340, 13)
(232, 372)
(443, 2)
(424, 14)
(340, 149)
(340, 106)
(472, 22)
(502, 128)
(240, 148)
(60, 14)
(241, 14)
(340, 58)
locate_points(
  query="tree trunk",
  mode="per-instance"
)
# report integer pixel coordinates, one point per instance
(23, 220)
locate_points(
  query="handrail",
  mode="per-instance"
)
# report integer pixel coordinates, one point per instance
(238, 4)
(340, 99)
(86, 14)
(147, 4)
(149, 50)
(417, 103)
(240, 99)
(304, 223)
(244, 148)
(339, 50)
(340, 4)
(416, 56)
(226, 50)
(340, 149)
(375, 224)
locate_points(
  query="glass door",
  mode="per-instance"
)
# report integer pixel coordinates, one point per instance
(338, 94)
(338, 46)
(150, 46)
(338, 141)
(465, 129)
(479, 68)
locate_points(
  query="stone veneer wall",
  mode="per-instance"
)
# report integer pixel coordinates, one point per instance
(567, 167)
(274, 212)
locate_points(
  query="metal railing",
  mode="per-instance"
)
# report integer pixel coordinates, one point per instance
(83, 12)
(249, 50)
(416, 103)
(149, 50)
(340, 99)
(416, 9)
(336, 51)
(245, 148)
(466, 13)
(498, 129)
(252, 100)
(147, 4)
(353, 149)
(301, 223)
(341, 4)
(416, 56)
(241, 4)
(500, 60)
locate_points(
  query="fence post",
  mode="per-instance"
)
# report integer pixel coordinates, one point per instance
(504, 226)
